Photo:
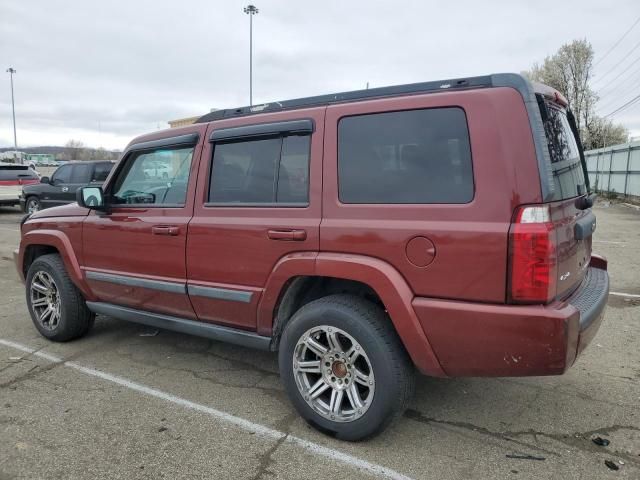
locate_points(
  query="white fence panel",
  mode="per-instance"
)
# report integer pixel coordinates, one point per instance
(615, 169)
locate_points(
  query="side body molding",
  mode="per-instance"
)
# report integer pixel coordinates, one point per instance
(57, 239)
(385, 280)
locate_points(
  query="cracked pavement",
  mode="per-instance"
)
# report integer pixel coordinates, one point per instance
(56, 422)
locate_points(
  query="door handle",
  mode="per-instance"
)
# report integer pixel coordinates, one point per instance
(165, 230)
(287, 235)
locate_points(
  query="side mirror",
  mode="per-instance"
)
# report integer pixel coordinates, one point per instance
(45, 180)
(90, 197)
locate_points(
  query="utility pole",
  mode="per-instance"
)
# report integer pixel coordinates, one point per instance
(251, 10)
(11, 71)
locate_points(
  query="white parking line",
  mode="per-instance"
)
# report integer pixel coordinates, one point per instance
(611, 242)
(620, 294)
(10, 229)
(330, 453)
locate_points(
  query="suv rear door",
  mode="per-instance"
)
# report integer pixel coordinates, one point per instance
(81, 174)
(258, 201)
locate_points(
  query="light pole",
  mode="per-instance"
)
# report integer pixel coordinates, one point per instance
(251, 10)
(11, 71)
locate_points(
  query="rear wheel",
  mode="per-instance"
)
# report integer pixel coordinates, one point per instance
(57, 307)
(344, 367)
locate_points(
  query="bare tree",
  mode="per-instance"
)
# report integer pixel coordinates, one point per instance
(601, 132)
(74, 150)
(569, 71)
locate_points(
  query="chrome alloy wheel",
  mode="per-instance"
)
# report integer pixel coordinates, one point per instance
(45, 300)
(333, 373)
(32, 205)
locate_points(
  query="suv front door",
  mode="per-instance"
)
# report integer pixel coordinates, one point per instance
(258, 203)
(52, 193)
(134, 253)
(64, 183)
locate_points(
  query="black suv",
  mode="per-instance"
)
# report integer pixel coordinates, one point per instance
(61, 187)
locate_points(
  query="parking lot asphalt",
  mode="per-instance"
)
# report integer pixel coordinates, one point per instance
(127, 402)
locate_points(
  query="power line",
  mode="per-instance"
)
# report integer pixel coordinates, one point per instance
(618, 42)
(621, 60)
(619, 99)
(620, 74)
(627, 85)
(622, 83)
(631, 102)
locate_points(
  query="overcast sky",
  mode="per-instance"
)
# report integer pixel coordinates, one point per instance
(104, 72)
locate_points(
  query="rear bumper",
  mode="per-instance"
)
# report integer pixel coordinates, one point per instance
(473, 339)
(9, 201)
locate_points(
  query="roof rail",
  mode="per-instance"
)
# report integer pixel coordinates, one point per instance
(343, 97)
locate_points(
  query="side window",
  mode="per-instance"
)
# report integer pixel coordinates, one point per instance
(62, 175)
(416, 156)
(261, 171)
(293, 180)
(154, 177)
(101, 172)
(81, 173)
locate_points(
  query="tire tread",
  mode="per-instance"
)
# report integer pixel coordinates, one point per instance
(376, 319)
(78, 319)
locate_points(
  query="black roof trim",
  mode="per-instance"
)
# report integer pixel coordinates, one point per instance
(528, 93)
(86, 162)
(343, 97)
(292, 127)
(188, 139)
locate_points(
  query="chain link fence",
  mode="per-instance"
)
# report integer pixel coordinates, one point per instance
(615, 169)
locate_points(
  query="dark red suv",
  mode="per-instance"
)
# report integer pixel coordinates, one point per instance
(444, 226)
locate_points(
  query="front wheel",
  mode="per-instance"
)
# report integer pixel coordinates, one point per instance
(344, 367)
(33, 205)
(57, 307)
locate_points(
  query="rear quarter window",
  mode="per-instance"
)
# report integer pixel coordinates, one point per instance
(416, 156)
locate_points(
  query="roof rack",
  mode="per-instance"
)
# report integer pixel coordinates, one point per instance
(408, 89)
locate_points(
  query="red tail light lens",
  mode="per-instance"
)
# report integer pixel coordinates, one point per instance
(532, 249)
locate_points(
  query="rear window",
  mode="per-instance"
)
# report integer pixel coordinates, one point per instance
(566, 166)
(416, 156)
(17, 172)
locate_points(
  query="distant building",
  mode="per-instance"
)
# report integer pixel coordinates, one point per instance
(39, 158)
(183, 122)
(11, 156)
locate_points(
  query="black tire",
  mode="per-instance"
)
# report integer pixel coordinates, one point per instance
(75, 319)
(393, 370)
(32, 204)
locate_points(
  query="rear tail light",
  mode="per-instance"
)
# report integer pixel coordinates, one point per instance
(532, 256)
